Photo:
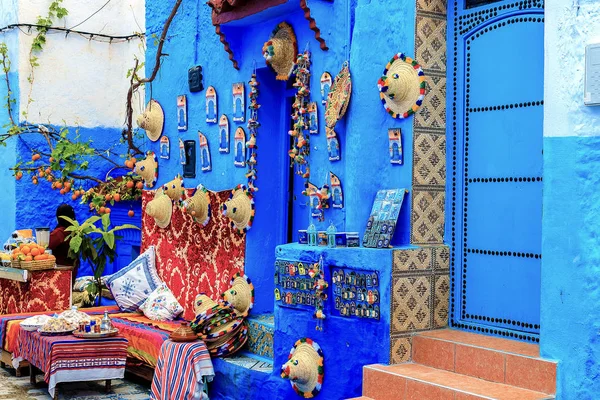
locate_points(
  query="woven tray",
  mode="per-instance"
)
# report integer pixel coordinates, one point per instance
(15, 264)
(37, 265)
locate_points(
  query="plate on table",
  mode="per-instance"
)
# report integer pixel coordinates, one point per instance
(56, 333)
(93, 335)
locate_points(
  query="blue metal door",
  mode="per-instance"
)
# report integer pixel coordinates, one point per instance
(496, 64)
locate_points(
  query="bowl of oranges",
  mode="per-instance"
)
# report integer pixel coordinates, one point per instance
(32, 257)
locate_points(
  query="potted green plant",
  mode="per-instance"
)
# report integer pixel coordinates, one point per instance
(96, 245)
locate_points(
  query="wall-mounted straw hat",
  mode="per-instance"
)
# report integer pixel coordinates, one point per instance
(160, 208)
(281, 50)
(174, 188)
(198, 206)
(147, 169)
(152, 120)
(305, 368)
(239, 208)
(240, 295)
(402, 86)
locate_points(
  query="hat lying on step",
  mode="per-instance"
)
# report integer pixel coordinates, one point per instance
(240, 295)
(160, 208)
(198, 206)
(281, 50)
(304, 368)
(239, 208)
(152, 120)
(402, 86)
(147, 169)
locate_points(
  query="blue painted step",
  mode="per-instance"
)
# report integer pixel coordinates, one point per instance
(261, 328)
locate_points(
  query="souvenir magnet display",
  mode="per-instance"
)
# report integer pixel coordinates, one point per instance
(239, 150)
(239, 102)
(313, 127)
(182, 113)
(205, 161)
(325, 87)
(223, 134)
(395, 138)
(402, 86)
(164, 147)
(337, 194)
(211, 105)
(383, 218)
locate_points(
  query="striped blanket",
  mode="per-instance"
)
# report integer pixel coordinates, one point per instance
(181, 372)
(70, 359)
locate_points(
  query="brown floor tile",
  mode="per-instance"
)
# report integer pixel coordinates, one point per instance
(466, 396)
(506, 345)
(480, 363)
(380, 385)
(530, 373)
(416, 390)
(433, 353)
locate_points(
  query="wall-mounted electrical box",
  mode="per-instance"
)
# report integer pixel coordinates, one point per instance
(591, 91)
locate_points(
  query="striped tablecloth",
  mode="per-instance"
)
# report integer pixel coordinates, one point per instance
(181, 371)
(70, 359)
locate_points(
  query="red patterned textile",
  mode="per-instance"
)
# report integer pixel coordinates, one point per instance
(46, 291)
(191, 258)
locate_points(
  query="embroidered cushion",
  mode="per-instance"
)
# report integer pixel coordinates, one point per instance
(161, 305)
(132, 285)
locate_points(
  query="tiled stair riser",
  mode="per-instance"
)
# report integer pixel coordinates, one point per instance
(260, 335)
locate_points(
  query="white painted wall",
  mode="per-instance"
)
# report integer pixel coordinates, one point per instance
(569, 26)
(81, 82)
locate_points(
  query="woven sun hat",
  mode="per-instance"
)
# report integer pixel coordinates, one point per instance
(198, 206)
(240, 295)
(147, 169)
(281, 50)
(203, 303)
(160, 208)
(239, 208)
(304, 368)
(224, 329)
(174, 188)
(152, 120)
(402, 86)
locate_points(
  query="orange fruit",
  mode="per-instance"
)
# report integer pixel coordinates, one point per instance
(41, 174)
(67, 185)
(28, 258)
(35, 251)
(102, 209)
(59, 184)
(51, 159)
(48, 170)
(139, 185)
(107, 210)
(35, 157)
(34, 180)
(117, 197)
(130, 184)
(40, 257)
(108, 197)
(131, 213)
(19, 175)
(128, 164)
(26, 250)
(62, 191)
(74, 197)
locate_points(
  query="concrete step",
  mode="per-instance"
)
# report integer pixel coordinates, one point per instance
(260, 335)
(485, 357)
(419, 382)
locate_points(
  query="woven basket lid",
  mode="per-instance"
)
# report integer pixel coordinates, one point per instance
(338, 97)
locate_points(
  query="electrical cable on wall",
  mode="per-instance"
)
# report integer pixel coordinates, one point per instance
(89, 35)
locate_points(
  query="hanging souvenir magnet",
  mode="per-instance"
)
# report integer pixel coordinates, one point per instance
(336, 191)
(182, 113)
(312, 191)
(239, 108)
(211, 105)
(164, 147)
(182, 158)
(333, 146)
(223, 134)
(325, 86)
(240, 147)
(277, 294)
(395, 137)
(313, 126)
(205, 161)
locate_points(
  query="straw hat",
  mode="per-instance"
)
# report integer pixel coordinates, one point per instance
(239, 208)
(174, 188)
(402, 86)
(148, 169)
(152, 120)
(281, 50)
(224, 329)
(305, 368)
(203, 303)
(198, 206)
(240, 295)
(160, 208)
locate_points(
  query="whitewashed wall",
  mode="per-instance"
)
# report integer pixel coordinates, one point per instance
(81, 82)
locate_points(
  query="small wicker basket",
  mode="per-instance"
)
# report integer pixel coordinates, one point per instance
(38, 265)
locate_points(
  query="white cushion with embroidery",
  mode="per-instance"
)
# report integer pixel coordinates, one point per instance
(132, 285)
(161, 305)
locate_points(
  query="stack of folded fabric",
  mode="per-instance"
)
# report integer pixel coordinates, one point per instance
(222, 324)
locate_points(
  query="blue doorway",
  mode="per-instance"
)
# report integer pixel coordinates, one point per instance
(495, 132)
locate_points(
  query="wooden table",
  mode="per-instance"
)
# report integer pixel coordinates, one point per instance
(71, 359)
